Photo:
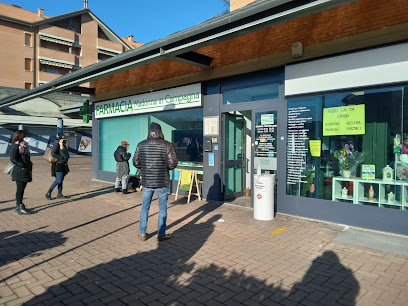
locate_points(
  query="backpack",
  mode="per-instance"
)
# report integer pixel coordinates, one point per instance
(135, 181)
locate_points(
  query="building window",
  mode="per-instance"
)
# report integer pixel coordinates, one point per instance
(338, 146)
(28, 85)
(28, 64)
(27, 39)
(248, 94)
(251, 87)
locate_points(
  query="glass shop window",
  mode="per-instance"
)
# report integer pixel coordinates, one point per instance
(254, 93)
(251, 87)
(183, 128)
(350, 147)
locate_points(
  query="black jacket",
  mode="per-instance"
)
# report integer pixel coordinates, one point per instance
(121, 154)
(155, 157)
(63, 155)
(22, 165)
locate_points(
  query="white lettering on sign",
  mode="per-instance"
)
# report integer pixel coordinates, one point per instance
(173, 98)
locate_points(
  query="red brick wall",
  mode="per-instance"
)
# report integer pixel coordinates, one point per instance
(349, 19)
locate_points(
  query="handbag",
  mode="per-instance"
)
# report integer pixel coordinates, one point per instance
(9, 168)
(48, 156)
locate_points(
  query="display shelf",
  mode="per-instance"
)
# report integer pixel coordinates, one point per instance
(381, 188)
(366, 200)
(348, 198)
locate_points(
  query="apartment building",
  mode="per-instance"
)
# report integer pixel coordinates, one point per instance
(36, 49)
(40, 48)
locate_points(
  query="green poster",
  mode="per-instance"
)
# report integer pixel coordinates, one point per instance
(344, 120)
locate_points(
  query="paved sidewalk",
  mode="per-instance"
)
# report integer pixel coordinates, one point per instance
(84, 251)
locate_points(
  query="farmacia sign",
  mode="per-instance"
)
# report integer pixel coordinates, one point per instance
(169, 99)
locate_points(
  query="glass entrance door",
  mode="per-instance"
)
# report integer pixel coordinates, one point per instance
(234, 155)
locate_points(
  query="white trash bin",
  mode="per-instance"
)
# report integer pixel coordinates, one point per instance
(264, 192)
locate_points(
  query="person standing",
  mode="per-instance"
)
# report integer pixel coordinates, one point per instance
(155, 157)
(22, 172)
(59, 169)
(122, 157)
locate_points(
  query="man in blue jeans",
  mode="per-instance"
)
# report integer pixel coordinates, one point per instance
(155, 157)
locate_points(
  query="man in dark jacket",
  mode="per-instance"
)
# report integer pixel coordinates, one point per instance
(122, 157)
(155, 157)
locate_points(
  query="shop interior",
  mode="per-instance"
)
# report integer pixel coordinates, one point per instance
(362, 155)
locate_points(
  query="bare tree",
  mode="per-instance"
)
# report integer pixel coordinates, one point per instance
(227, 10)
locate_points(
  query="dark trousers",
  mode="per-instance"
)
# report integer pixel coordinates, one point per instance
(20, 191)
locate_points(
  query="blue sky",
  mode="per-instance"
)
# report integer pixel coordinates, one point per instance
(146, 20)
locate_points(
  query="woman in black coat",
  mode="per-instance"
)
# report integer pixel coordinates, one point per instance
(60, 168)
(22, 172)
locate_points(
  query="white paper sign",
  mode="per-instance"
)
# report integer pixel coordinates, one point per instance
(260, 186)
(211, 125)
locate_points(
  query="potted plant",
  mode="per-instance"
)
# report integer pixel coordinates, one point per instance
(349, 159)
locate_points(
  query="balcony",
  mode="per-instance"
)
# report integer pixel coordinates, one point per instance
(60, 33)
(108, 45)
(57, 56)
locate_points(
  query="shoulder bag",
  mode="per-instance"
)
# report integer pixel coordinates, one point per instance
(9, 168)
(48, 156)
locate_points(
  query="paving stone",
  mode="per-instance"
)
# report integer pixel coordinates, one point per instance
(84, 250)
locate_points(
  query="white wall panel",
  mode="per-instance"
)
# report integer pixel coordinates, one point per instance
(366, 68)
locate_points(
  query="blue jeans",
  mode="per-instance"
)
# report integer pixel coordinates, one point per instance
(59, 178)
(163, 195)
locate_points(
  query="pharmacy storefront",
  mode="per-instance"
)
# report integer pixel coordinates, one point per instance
(222, 129)
(179, 112)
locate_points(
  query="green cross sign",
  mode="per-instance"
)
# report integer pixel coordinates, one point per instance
(85, 111)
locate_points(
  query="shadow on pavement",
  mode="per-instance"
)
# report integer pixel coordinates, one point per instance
(72, 198)
(15, 246)
(6, 201)
(327, 281)
(170, 274)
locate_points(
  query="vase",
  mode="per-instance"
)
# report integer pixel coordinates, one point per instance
(346, 173)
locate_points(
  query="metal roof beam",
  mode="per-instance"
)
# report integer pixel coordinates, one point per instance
(260, 15)
(80, 90)
(195, 59)
(190, 58)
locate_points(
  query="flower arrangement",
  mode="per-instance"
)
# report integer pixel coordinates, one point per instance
(349, 158)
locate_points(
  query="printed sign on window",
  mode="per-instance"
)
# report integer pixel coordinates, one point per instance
(344, 120)
(267, 119)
